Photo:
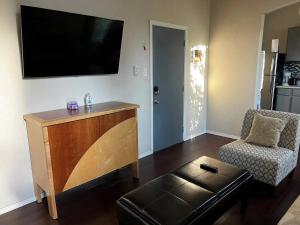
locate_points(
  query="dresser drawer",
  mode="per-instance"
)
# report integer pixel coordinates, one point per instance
(284, 91)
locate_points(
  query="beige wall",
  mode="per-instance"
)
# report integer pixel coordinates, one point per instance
(233, 52)
(18, 96)
(277, 24)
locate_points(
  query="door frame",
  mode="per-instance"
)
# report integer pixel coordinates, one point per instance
(186, 55)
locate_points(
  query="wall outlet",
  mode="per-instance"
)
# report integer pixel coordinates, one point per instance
(140, 71)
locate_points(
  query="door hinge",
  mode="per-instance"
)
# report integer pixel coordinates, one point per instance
(182, 88)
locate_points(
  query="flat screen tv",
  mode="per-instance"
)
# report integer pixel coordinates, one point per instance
(56, 44)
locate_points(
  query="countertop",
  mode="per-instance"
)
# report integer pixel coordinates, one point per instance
(290, 87)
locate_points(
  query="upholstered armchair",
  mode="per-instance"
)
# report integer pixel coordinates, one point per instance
(268, 165)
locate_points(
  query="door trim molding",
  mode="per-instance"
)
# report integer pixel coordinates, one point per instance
(186, 57)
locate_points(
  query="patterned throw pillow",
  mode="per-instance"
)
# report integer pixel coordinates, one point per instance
(265, 131)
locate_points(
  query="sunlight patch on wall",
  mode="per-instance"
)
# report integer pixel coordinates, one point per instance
(197, 84)
(198, 63)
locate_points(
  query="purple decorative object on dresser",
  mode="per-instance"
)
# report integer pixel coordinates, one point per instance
(72, 105)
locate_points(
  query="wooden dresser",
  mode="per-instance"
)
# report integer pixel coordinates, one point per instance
(69, 148)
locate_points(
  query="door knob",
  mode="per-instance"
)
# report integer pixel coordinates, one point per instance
(156, 102)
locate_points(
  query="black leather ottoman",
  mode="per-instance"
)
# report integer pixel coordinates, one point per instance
(189, 195)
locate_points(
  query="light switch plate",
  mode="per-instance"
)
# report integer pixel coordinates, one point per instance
(145, 72)
(135, 70)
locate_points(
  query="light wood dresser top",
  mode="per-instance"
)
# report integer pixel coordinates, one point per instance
(59, 116)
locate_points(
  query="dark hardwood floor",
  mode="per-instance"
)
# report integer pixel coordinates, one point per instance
(94, 203)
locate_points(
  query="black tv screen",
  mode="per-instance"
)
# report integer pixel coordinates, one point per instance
(56, 43)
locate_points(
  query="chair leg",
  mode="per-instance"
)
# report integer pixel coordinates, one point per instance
(290, 176)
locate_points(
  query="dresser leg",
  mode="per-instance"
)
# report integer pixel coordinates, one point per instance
(37, 192)
(52, 206)
(135, 170)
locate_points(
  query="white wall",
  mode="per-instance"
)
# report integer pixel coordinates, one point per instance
(235, 34)
(18, 97)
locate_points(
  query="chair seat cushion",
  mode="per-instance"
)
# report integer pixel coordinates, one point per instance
(269, 165)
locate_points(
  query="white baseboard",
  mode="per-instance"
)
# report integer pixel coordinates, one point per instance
(222, 134)
(144, 154)
(194, 135)
(17, 205)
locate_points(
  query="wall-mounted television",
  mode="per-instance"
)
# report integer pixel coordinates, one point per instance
(56, 44)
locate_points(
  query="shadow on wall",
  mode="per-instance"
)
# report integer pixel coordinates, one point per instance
(197, 86)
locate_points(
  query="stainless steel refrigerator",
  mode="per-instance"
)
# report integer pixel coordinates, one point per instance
(273, 74)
